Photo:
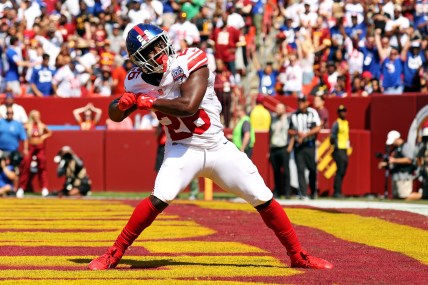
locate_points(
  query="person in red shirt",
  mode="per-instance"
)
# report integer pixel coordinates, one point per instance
(118, 75)
(35, 161)
(225, 39)
(91, 116)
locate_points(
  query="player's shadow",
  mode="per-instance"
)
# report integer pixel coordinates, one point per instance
(154, 264)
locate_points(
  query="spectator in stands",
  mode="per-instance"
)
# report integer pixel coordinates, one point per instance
(319, 105)
(87, 117)
(260, 118)
(280, 149)
(103, 84)
(77, 182)
(35, 161)
(7, 175)
(267, 76)
(304, 127)
(66, 81)
(226, 38)
(395, 29)
(371, 61)
(339, 139)
(149, 121)
(12, 133)
(14, 60)
(225, 89)
(243, 135)
(292, 77)
(41, 79)
(18, 111)
(126, 124)
(181, 30)
(120, 69)
(413, 60)
(400, 162)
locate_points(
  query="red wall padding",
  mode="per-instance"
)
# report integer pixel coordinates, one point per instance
(130, 160)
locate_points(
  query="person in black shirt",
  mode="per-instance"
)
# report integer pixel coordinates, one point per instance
(305, 124)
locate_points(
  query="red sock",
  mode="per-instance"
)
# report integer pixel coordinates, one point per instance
(276, 219)
(142, 217)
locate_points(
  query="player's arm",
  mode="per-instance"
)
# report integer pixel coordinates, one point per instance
(192, 93)
(116, 114)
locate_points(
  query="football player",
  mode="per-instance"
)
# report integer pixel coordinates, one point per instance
(180, 89)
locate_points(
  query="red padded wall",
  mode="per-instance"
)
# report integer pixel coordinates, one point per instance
(130, 160)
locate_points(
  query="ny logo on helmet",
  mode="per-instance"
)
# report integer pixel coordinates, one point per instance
(142, 38)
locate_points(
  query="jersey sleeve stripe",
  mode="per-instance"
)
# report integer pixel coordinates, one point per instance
(199, 64)
(197, 53)
(195, 60)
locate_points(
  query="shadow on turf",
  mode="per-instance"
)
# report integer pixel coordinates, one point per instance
(154, 264)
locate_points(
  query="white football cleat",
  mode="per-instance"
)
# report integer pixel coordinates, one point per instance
(20, 193)
(45, 192)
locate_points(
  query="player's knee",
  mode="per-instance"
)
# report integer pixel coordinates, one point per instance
(158, 203)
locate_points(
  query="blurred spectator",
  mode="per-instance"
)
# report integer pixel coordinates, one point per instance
(371, 61)
(12, 133)
(318, 104)
(225, 88)
(181, 30)
(260, 117)
(413, 60)
(339, 139)
(35, 161)
(87, 117)
(41, 79)
(103, 85)
(292, 77)
(304, 127)
(119, 72)
(7, 175)
(66, 81)
(77, 182)
(226, 38)
(14, 61)
(400, 162)
(392, 68)
(18, 111)
(126, 124)
(115, 39)
(396, 29)
(243, 135)
(267, 76)
(280, 150)
(148, 122)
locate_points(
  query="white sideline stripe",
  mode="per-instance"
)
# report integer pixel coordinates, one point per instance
(420, 209)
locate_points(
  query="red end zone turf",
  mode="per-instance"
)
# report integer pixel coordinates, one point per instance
(52, 241)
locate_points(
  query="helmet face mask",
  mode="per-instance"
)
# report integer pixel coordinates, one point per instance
(149, 48)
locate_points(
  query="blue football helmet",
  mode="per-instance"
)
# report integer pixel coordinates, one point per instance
(149, 47)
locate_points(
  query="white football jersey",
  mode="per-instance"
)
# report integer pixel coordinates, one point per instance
(204, 128)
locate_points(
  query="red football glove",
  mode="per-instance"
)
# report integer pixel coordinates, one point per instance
(145, 102)
(127, 101)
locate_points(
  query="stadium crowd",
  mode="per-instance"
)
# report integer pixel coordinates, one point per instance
(74, 48)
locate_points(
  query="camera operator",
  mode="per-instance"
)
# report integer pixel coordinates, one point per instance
(400, 162)
(77, 182)
(422, 163)
(7, 175)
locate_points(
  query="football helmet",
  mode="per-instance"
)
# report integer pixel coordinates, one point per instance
(149, 47)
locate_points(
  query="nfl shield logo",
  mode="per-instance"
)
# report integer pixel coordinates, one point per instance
(177, 74)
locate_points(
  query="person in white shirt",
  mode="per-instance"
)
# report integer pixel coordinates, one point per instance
(19, 113)
(66, 81)
(292, 77)
(149, 121)
(183, 29)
